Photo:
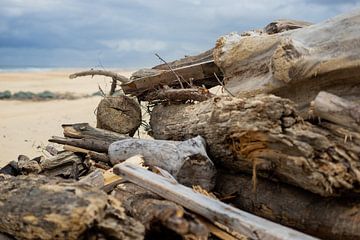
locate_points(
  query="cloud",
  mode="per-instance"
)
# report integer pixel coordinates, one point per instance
(129, 32)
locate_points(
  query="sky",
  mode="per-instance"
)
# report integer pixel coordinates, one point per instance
(128, 33)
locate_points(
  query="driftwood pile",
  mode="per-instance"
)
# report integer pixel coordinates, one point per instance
(275, 156)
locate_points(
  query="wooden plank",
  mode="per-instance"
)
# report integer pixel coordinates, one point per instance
(214, 210)
(199, 73)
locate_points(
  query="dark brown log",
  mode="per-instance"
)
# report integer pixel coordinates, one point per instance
(158, 214)
(119, 114)
(200, 74)
(265, 136)
(49, 208)
(326, 218)
(93, 144)
(337, 110)
(187, 161)
(98, 157)
(295, 64)
(84, 130)
(284, 25)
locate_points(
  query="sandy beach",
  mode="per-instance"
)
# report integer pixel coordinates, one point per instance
(25, 126)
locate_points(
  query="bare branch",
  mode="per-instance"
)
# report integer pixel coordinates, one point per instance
(177, 76)
(106, 73)
(223, 86)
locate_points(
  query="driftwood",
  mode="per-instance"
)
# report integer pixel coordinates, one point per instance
(326, 218)
(337, 110)
(187, 161)
(263, 135)
(213, 210)
(96, 145)
(199, 74)
(119, 114)
(157, 214)
(295, 64)
(284, 25)
(179, 95)
(48, 208)
(98, 157)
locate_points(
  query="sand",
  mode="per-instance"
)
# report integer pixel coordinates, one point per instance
(25, 126)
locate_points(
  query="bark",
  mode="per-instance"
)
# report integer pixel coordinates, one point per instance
(119, 114)
(49, 208)
(211, 209)
(295, 64)
(199, 74)
(326, 218)
(187, 161)
(337, 110)
(158, 214)
(264, 135)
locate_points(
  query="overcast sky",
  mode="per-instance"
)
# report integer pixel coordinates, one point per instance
(127, 33)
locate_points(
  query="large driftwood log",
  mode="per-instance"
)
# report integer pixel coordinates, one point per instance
(187, 161)
(158, 214)
(326, 218)
(265, 136)
(119, 114)
(239, 221)
(47, 208)
(295, 64)
(337, 110)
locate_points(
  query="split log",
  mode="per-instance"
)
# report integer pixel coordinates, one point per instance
(263, 135)
(295, 64)
(284, 25)
(187, 161)
(84, 130)
(157, 214)
(49, 208)
(337, 110)
(213, 210)
(326, 218)
(119, 114)
(93, 144)
(199, 74)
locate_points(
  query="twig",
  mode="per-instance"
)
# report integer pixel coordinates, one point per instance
(177, 76)
(93, 72)
(223, 86)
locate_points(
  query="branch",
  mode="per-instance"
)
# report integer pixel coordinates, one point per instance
(92, 72)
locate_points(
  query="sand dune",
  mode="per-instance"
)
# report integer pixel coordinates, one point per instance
(25, 126)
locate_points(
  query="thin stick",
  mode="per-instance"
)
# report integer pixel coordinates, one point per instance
(222, 84)
(177, 76)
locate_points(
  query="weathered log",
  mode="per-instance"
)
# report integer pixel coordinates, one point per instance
(98, 157)
(326, 218)
(337, 110)
(179, 95)
(187, 161)
(119, 114)
(49, 208)
(295, 64)
(284, 25)
(264, 135)
(250, 225)
(199, 74)
(157, 214)
(84, 130)
(96, 145)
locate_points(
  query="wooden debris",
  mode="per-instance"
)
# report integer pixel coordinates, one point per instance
(200, 74)
(179, 95)
(295, 64)
(263, 135)
(93, 144)
(284, 25)
(337, 110)
(120, 114)
(326, 218)
(49, 208)
(187, 161)
(213, 210)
